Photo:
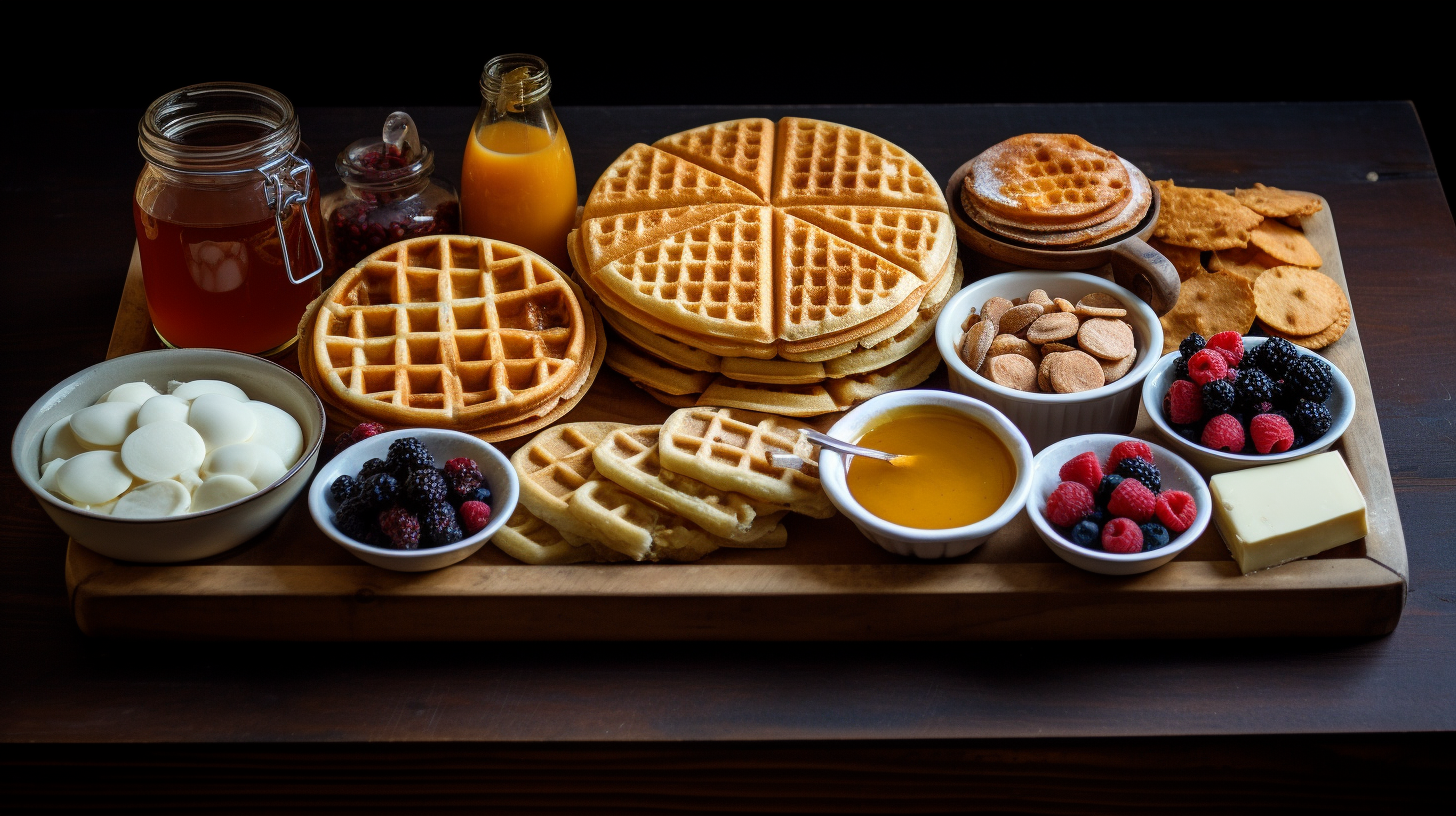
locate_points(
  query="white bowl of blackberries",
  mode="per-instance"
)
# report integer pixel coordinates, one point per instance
(1230, 402)
(413, 500)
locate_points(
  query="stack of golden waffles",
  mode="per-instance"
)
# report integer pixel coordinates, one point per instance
(1055, 190)
(794, 268)
(455, 332)
(704, 479)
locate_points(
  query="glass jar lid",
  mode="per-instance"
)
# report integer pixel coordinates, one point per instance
(399, 157)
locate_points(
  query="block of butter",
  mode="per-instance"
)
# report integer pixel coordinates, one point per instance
(1278, 513)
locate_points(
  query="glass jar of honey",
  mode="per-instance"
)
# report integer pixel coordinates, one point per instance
(518, 183)
(227, 219)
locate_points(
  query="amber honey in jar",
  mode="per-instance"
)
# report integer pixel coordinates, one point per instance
(227, 219)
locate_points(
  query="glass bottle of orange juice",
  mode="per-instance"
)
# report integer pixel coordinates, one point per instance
(518, 183)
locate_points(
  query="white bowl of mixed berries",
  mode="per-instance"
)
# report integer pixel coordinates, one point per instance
(413, 500)
(1116, 505)
(1233, 402)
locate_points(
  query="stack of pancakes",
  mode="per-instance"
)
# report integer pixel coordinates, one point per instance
(1055, 190)
(704, 479)
(794, 268)
(451, 331)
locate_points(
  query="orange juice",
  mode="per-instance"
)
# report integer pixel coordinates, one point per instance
(518, 184)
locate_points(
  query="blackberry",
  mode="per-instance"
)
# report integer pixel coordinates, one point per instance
(1155, 536)
(1252, 387)
(1192, 433)
(1253, 356)
(1218, 397)
(425, 489)
(1191, 345)
(408, 455)
(356, 519)
(1086, 533)
(1312, 419)
(438, 526)
(1180, 369)
(1310, 378)
(1145, 472)
(372, 467)
(1275, 356)
(1104, 490)
(344, 488)
(379, 489)
(1299, 441)
(401, 526)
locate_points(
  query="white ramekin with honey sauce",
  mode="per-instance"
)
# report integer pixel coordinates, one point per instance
(972, 469)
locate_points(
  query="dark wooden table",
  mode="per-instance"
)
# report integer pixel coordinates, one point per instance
(1321, 725)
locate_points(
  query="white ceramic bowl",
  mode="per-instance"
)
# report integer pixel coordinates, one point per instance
(1176, 474)
(193, 535)
(1046, 418)
(1341, 404)
(900, 540)
(500, 477)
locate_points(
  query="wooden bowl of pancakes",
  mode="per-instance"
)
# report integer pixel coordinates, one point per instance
(1057, 202)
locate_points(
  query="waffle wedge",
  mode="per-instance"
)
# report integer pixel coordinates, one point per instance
(741, 150)
(528, 539)
(553, 466)
(729, 449)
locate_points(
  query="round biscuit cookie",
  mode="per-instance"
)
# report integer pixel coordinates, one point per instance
(994, 308)
(1049, 328)
(977, 343)
(1012, 371)
(1011, 344)
(1074, 371)
(1106, 338)
(1114, 370)
(1100, 304)
(1064, 305)
(1019, 317)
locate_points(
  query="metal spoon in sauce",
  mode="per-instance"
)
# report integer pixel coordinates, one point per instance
(789, 460)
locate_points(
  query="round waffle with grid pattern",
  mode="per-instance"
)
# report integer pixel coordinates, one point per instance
(453, 332)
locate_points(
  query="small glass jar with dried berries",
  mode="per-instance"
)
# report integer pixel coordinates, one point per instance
(388, 196)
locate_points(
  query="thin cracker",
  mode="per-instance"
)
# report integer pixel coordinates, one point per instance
(1298, 301)
(1250, 262)
(1286, 244)
(1201, 218)
(1272, 202)
(1208, 304)
(1186, 260)
(1333, 332)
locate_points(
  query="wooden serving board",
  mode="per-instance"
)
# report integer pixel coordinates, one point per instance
(830, 583)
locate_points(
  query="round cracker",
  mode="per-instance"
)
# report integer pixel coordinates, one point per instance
(1333, 332)
(1187, 261)
(1074, 371)
(1114, 370)
(976, 343)
(1272, 202)
(1012, 371)
(1202, 219)
(1019, 317)
(1208, 304)
(1052, 327)
(1285, 244)
(1108, 339)
(1011, 344)
(1250, 262)
(1298, 301)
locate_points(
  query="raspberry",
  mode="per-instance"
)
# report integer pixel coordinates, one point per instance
(342, 441)
(1207, 366)
(438, 526)
(1069, 504)
(1083, 469)
(379, 490)
(344, 488)
(1183, 404)
(1086, 533)
(1230, 344)
(364, 430)
(1176, 510)
(1131, 449)
(1122, 535)
(463, 476)
(401, 526)
(1310, 378)
(1252, 387)
(1218, 397)
(1271, 433)
(1275, 355)
(1155, 535)
(1132, 499)
(1223, 432)
(1104, 490)
(1145, 472)
(408, 455)
(1191, 345)
(473, 516)
(424, 489)
(1314, 420)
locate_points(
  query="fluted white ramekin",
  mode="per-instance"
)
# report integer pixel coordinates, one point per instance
(1047, 418)
(913, 541)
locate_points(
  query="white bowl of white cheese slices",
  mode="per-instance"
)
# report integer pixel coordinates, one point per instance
(169, 456)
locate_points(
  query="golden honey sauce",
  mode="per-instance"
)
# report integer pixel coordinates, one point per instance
(961, 473)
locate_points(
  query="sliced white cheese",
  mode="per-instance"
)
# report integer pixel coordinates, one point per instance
(1279, 513)
(137, 392)
(59, 442)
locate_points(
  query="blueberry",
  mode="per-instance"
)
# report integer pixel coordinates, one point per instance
(1086, 533)
(1104, 490)
(1155, 536)
(1098, 516)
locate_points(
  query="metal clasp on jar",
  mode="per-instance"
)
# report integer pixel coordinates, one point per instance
(282, 185)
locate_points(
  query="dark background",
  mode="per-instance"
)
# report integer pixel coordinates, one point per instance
(397, 57)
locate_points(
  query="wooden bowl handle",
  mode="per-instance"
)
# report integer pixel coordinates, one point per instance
(1147, 273)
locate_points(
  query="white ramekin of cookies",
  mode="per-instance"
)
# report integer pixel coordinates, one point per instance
(1059, 353)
